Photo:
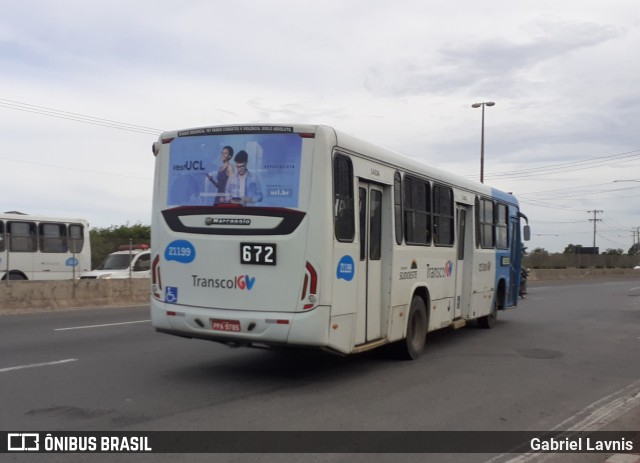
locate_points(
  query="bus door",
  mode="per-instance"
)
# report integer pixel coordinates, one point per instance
(368, 313)
(464, 267)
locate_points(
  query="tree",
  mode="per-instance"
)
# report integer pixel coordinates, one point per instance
(104, 241)
(613, 252)
(634, 250)
(540, 251)
(570, 249)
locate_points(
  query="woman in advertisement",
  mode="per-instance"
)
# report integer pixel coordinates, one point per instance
(222, 175)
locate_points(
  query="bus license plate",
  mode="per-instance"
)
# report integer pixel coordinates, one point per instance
(258, 253)
(225, 325)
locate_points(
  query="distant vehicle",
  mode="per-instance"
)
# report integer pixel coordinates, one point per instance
(43, 248)
(127, 262)
(322, 240)
(637, 267)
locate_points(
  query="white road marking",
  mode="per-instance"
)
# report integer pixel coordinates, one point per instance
(592, 418)
(100, 326)
(35, 365)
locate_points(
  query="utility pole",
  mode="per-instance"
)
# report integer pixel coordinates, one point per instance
(595, 220)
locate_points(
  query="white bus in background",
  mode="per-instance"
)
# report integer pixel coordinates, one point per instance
(43, 248)
(327, 242)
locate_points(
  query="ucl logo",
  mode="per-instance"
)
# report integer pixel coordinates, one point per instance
(23, 442)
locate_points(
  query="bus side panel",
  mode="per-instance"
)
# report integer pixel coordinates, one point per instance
(515, 258)
(507, 261)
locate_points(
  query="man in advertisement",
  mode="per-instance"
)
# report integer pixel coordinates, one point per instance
(244, 187)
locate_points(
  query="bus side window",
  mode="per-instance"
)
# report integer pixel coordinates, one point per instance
(343, 205)
(2, 247)
(443, 232)
(397, 204)
(23, 236)
(417, 211)
(53, 237)
(502, 226)
(487, 224)
(76, 238)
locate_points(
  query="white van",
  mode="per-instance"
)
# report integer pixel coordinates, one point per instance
(124, 263)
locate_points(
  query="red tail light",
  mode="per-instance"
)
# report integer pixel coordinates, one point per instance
(310, 286)
(156, 281)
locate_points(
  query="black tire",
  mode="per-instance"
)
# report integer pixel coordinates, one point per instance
(488, 321)
(412, 346)
(16, 276)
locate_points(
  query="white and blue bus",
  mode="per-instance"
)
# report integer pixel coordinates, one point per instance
(300, 235)
(43, 248)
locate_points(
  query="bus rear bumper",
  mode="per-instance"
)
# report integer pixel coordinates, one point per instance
(239, 327)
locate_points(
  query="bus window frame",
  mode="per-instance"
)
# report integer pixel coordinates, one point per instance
(410, 210)
(439, 215)
(501, 225)
(49, 244)
(344, 225)
(75, 245)
(32, 237)
(398, 212)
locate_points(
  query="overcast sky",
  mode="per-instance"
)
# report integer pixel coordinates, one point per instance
(86, 87)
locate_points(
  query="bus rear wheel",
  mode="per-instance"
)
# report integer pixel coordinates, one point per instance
(412, 346)
(488, 321)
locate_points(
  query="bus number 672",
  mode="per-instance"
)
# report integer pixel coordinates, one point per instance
(258, 253)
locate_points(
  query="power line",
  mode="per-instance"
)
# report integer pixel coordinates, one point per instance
(589, 194)
(609, 184)
(77, 117)
(570, 166)
(540, 203)
(556, 223)
(564, 189)
(617, 243)
(75, 169)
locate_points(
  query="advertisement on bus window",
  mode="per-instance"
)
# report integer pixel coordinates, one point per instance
(258, 170)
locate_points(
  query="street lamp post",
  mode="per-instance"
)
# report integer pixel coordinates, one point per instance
(478, 105)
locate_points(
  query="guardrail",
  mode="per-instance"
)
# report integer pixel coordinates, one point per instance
(23, 296)
(581, 273)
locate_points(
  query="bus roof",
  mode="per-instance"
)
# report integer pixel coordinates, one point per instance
(355, 145)
(40, 218)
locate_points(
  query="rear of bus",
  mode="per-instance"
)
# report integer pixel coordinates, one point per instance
(230, 258)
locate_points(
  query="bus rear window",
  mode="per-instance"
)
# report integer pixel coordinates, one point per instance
(259, 170)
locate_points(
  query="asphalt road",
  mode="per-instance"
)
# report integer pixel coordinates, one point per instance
(567, 358)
